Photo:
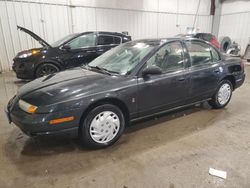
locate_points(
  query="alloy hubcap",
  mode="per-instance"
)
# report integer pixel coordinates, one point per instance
(104, 127)
(224, 94)
(47, 69)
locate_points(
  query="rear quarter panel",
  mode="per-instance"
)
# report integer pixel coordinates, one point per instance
(235, 68)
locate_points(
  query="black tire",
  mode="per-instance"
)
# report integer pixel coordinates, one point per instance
(46, 69)
(214, 102)
(85, 127)
(225, 42)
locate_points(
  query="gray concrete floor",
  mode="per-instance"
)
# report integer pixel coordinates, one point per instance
(175, 150)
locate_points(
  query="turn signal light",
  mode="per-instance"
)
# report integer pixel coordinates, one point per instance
(61, 120)
(32, 109)
(34, 52)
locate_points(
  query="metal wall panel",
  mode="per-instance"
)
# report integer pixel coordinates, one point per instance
(55, 19)
(235, 22)
(184, 6)
(138, 24)
(84, 19)
(231, 7)
(237, 27)
(171, 24)
(7, 37)
(167, 6)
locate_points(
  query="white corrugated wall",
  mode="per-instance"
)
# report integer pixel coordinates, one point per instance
(235, 22)
(54, 19)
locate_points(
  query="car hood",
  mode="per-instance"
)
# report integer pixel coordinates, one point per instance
(35, 36)
(67, 85)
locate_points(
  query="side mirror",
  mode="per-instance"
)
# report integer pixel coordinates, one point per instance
(66, 47)
(151, 70)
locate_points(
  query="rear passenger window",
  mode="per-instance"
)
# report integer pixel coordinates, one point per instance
(107, 39)
(117, 40)
(199, 52)
(215, 54)
(104, 40)
(169, 58)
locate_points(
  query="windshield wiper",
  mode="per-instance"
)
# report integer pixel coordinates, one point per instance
(109, 72)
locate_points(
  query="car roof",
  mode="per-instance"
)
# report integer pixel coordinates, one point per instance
(190, 34)
(112, 33)
(105, 32)
(159, 41)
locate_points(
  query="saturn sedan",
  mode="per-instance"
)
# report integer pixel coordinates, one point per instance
(134, 80)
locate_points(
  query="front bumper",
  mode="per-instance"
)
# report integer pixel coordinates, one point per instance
(38, 124)
(24, 69)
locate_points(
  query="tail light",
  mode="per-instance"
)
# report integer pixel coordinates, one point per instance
(215, 43)
(242, 65)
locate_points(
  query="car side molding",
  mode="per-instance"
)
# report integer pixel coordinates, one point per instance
(168, 110)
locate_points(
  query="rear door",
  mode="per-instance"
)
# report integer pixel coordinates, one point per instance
(106, 42)
(205, 70)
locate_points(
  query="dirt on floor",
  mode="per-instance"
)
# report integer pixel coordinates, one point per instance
(171, 151)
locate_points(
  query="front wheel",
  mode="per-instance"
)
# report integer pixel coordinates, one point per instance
(46, 69)
(222, 95)
(102, 126)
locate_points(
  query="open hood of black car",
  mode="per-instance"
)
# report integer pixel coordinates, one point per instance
(36, 37)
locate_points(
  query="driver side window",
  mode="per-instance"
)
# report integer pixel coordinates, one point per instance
(169, 58)
(82, 41)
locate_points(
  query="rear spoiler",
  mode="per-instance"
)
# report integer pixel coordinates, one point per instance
(127, 35)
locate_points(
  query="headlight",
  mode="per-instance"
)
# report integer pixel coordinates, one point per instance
(28, 54)
(25, 55)
(29, 108)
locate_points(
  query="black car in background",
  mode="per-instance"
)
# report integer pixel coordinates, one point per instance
(132, 81)
(71, 51)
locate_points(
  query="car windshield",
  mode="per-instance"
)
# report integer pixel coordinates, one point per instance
(62, 40)
(123, 58)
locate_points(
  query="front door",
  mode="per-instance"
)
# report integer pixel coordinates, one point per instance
(82, 50)
(169, 89)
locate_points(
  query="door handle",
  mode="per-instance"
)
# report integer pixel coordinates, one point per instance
(181, 79)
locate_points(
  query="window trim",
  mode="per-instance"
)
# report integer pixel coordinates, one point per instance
(110, 36)
(219, 55)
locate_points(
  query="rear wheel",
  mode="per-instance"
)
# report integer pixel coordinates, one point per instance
(102, 126)
(46, 69)
(222, 95)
